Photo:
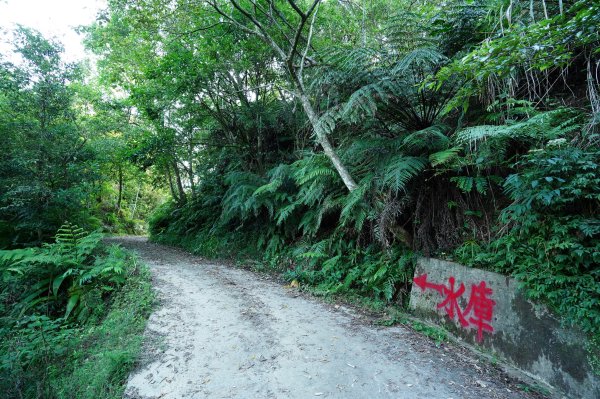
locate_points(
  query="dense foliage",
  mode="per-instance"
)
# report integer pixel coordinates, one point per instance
(332, 141)
(60, 322)
(336, 140)
(65, 154)
(72, 309)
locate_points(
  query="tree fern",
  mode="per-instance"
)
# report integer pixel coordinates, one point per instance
(362, 103)
(401, 169)
(445, 156)
(425, 57)
(405, 31)
(433, 138)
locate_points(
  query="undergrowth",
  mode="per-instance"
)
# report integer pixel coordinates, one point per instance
(483, 149)
(550, 233)
(72, 316)
(380, 278)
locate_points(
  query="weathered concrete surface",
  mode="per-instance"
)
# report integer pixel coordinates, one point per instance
(525, 334)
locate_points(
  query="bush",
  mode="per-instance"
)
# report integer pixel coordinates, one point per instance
(66, 277)
(551, 239)
(71, 318)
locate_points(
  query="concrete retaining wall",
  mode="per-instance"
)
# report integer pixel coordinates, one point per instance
(488, 310)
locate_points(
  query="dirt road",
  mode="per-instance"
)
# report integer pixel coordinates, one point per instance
(224, 332)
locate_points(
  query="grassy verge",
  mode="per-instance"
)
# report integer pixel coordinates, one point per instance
(43, 357)
(109, 350)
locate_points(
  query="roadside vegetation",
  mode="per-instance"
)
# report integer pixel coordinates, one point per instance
(72, 308)
(330, 141)
(72, 315)
(336, 141)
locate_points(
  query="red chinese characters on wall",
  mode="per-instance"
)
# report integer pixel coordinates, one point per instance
(479, 310)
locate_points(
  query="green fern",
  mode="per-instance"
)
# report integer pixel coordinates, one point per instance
(304, 175)
(429, 139)
(66, 272)
(401, 169)
(444, 156)
(543, 126)
(355, 208)
(468, 183)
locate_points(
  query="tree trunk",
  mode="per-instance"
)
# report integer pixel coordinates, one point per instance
(545, 9)
(173, 193)
(325, 143)
(531, 11)
(179, 183)
(120, 196)
(135, 202)
(191, 165)
(560, 7)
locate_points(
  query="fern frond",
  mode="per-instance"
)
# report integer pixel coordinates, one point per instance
(313, 174)
(422, 56)
(317, 250)
(442, 157)
(401, 169)
(467, 183)
(544, 126)
(284, 213)
(327, 122)
(270, 187)
(355, 208)
(430, 139)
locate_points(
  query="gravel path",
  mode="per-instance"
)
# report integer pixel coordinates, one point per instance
(225, 332)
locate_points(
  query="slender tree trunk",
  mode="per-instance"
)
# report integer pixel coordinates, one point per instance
(179, 183)
(531, 11)
(120, 196)
(364, 26)
(545, 9)
(323, 140)
(137, 195)
(170, 177)
(191, 165)
(560, 7)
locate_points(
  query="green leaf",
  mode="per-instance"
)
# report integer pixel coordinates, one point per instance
(58, 281)
(73, 300)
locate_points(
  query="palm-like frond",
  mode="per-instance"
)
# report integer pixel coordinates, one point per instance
(444, 156)
(401, 169)
(543, 126)
(433, 138)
